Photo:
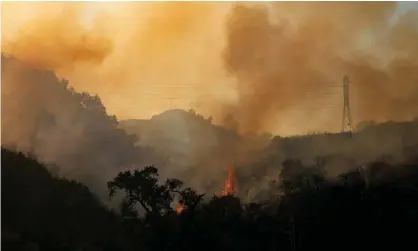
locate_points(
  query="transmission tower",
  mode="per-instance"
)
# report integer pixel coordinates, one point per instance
(346, 125)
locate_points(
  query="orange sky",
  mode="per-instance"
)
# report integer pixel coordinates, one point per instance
(143, 58)
(161, 55)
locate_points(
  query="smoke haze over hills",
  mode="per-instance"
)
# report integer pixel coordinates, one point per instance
(274, 65)
(208, 125)
(247, 68)
(73, 131)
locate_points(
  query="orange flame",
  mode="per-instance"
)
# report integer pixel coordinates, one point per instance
(179, 208)
(229, 188)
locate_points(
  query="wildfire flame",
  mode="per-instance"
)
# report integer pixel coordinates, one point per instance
(179, 208)
(229, 188)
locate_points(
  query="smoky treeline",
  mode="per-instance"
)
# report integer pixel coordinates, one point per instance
(391, 142)
(374, 206)
(270, 55)
(68, 130)
(76, 177)
(73, 134)
(294, 193)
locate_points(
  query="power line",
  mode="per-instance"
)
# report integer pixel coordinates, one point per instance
(302, 102)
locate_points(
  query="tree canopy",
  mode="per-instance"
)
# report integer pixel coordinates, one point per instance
(373, 206)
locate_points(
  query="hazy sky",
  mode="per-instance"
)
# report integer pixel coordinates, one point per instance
(144, 58)
(405, 6)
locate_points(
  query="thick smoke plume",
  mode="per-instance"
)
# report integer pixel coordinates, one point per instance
(134, 55)
(253, 67)
(283, 52)
(269, 64)
(53, 38)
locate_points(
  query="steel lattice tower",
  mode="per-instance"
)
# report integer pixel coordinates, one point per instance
(346, 125)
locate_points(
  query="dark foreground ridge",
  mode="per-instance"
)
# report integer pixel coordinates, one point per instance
(373, 207)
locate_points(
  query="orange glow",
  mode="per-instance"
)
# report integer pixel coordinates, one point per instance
(179, 208)
(229, 188)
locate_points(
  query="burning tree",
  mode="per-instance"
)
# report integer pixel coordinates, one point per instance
(230, 184)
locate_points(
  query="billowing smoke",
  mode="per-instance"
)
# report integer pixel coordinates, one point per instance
(253, 67)
(133, 55)
(283, 52)
(114, 50)
(271, 65)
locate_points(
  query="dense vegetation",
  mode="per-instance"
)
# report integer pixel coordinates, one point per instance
(45, 115)
(372, 207)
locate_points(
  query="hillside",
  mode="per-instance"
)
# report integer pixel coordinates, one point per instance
(43, 212)
(177, 132)
(44, 115)
(393, 142)
(188, 138)
(62, 127)
(198, 151)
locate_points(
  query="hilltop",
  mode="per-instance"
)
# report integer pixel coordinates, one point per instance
(198, 151)
(46, 116)
(62, 127)
(333, 153)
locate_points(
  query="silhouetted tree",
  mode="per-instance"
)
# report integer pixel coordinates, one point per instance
(375, 205)
(141, 186)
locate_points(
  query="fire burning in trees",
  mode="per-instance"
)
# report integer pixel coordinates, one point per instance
(179, 208)
(229, 188)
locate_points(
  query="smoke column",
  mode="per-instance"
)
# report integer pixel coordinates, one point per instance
(282, 52)
(255, 61)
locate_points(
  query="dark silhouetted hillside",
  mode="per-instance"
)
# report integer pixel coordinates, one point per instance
(199, 152)
(43, 115)
(394, 142)
(48, 213)
(375, 206)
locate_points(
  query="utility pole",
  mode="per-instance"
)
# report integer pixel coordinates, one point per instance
(170, 100)
(346, 125)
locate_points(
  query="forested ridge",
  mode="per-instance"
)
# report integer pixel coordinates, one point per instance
(88, 164)
(374, 207)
